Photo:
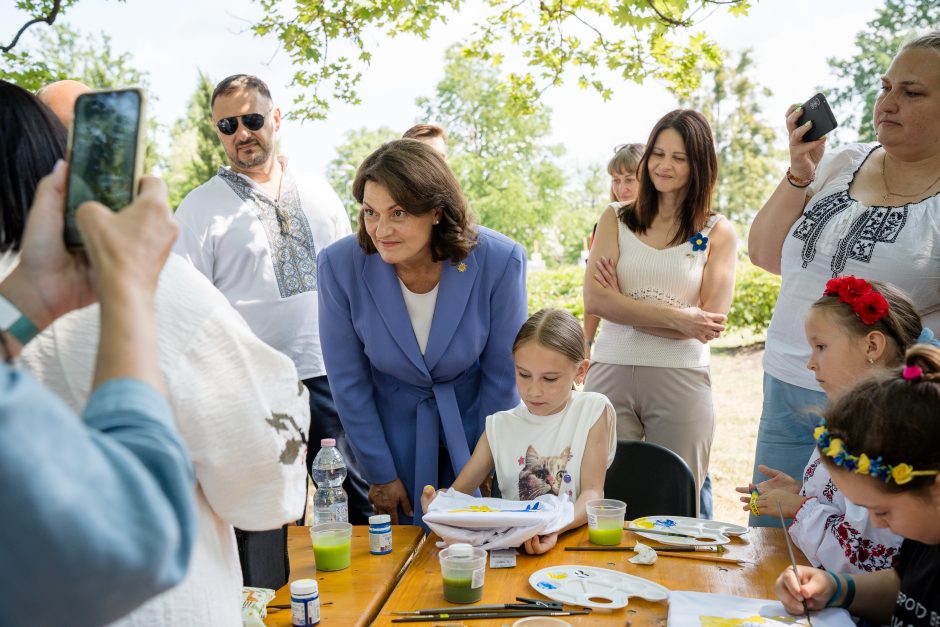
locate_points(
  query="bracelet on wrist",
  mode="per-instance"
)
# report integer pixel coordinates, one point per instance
(849, 592)
(838, 593)
(799, 183)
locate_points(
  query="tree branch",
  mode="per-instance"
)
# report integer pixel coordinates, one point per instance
(665, 19)
(49, 19)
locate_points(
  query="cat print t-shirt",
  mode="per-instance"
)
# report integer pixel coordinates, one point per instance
(538, 455)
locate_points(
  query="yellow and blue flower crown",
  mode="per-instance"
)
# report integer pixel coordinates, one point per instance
(862, 464)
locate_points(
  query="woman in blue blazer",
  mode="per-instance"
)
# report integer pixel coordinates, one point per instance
(418, 311)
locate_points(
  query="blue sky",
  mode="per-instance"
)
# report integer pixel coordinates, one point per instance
(173, 39)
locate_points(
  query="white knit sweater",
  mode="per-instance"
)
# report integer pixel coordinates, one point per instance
(232, 396)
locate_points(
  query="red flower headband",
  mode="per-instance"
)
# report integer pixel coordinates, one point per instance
(870, 306)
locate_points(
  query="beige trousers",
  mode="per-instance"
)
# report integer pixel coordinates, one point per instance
(671, 407)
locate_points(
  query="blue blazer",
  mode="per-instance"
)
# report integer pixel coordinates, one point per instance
(399, 407)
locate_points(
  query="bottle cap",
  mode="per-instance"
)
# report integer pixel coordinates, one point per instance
(380, 519)
(303, 587)
(461, 550)
(328, 442)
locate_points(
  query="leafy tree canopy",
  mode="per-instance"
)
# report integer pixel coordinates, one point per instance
(195, 151)
(860, 74)
(499, 155)
(341, 171)
(632, 38)
(731, 99)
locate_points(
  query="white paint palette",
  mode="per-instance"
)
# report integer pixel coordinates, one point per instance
(588, 586)
(702, 532)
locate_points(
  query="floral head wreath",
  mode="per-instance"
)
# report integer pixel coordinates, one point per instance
(870, 306)
(862, 464)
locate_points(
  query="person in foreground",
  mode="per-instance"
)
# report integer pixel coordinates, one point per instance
(856, 329)
(235, 400)
(419, 311)
(557, 440)
(861, 209)
(100, 507)
(880, 444)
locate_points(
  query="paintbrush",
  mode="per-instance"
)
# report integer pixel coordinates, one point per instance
(705, 558)
(548, 606)
(679, 549)
(796, 573)
(700, 537)
(426, 618)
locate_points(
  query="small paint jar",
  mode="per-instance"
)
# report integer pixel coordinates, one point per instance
(304, 603)
(380, 534)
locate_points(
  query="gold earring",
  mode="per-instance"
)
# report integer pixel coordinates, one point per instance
(871, 362)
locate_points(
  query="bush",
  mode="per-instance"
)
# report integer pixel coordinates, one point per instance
(755, 296)
(559, 288)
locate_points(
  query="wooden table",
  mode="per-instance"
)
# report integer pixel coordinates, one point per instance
(352, 596)
(421, 585)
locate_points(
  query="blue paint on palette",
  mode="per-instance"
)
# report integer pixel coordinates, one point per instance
(665, 522)
(546, 585)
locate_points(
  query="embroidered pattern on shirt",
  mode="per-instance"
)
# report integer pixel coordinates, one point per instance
(859, 550)
(874, 225)
(294, 443)
(293, 251)
(655, 294)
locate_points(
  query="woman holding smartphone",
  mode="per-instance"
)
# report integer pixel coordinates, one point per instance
(661, 275)
(865, 209)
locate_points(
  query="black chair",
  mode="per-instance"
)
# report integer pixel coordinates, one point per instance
(651, 480)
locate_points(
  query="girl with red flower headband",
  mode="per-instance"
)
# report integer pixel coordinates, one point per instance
(856, 329)
(880, 445)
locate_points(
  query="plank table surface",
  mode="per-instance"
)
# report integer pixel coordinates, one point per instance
(421, 586)
(352, 596)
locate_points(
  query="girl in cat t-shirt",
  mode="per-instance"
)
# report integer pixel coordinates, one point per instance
(557, 440)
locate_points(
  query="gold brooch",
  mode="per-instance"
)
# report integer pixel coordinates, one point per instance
(461, 267)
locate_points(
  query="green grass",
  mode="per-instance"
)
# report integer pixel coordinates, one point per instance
(737, 389)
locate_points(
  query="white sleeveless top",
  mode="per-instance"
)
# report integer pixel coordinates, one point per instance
(672, 276)
(838, 235)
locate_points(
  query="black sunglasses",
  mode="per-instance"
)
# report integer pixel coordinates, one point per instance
(252, 121)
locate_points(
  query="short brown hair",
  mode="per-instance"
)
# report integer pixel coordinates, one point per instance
(554, 329)
(419, 181)
(424, 131)
(233, 83)
(929, 40)
(901, 325)
(703, 174)
(894, 418)
(626, 160)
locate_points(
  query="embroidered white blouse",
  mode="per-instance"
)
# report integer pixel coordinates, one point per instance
(838, 235)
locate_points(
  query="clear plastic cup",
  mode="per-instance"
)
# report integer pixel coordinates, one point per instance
(605, 521)
(462, 570)
(332, 545)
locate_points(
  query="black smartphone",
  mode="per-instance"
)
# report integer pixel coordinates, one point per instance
(818, 110)
(106, 151)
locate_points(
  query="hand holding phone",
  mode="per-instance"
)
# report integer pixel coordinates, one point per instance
(106, 150)
(817, 111)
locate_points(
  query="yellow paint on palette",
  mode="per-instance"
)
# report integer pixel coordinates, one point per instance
(558, 575)
(643, 523)
(476, 509)
(752, 621)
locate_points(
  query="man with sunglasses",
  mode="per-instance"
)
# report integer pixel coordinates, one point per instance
(255, 230)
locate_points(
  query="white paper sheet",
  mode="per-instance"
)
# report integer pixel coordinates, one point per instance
(703, 609)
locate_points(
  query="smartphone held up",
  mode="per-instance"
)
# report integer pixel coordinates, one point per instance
(106, 150)
(817, 111)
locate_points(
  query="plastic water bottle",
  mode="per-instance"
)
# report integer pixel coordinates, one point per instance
(329, 472)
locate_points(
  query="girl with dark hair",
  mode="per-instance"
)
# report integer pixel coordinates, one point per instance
(418, 312)
(856, 329)
(31, 141)
(661, 275)
(879, 442)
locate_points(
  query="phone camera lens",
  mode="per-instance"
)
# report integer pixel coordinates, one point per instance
(814, 104)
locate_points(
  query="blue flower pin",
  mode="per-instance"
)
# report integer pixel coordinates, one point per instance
(698, 241)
